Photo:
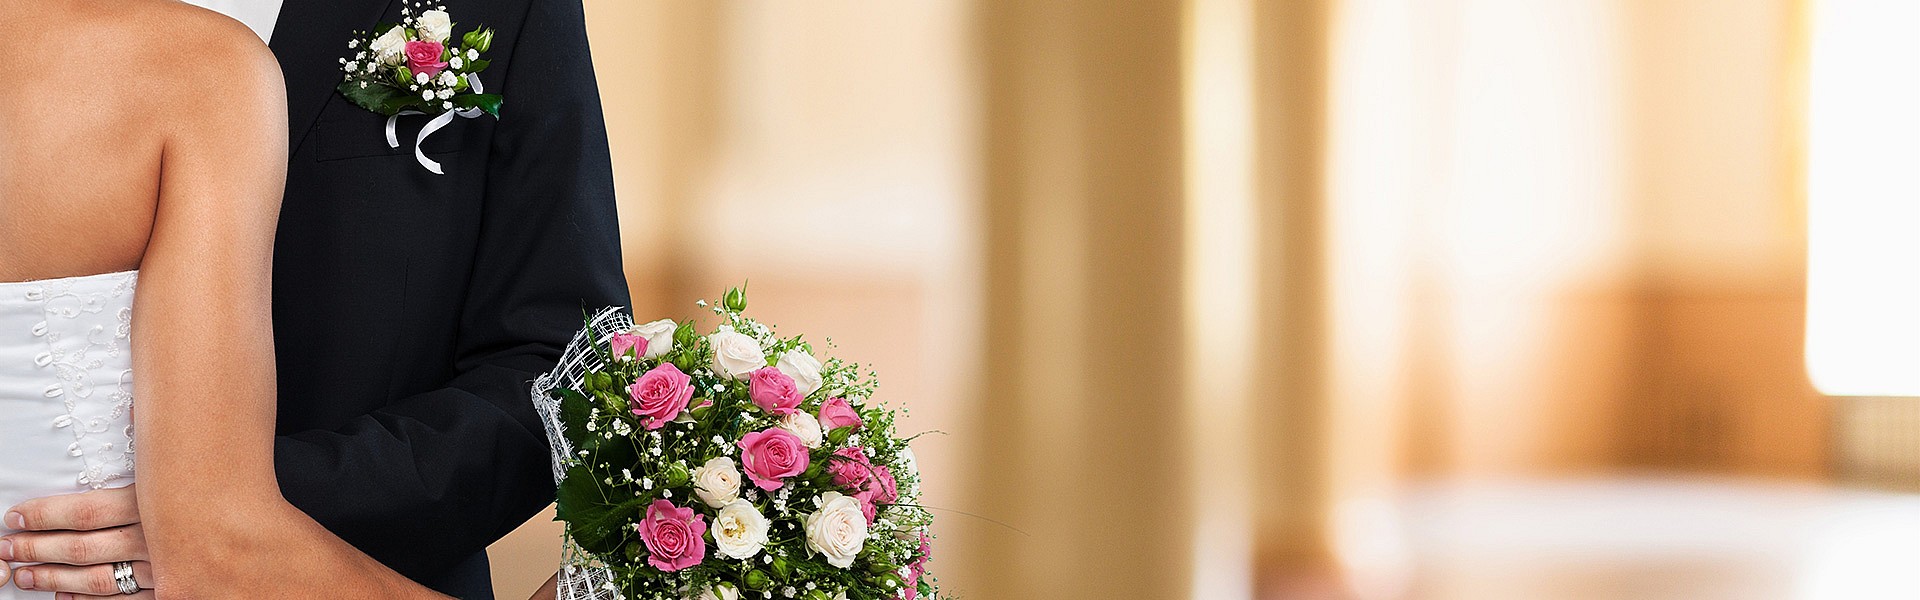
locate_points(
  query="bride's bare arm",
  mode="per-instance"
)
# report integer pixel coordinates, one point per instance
(215, 522)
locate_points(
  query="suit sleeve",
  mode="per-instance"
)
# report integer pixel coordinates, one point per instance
(431, 480)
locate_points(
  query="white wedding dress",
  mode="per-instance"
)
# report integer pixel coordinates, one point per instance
(66, 389)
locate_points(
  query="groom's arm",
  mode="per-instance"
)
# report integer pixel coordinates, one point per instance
(433, 479)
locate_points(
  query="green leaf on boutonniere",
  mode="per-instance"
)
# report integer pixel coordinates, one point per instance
(379, 98)
(490, 103)
(477, 65)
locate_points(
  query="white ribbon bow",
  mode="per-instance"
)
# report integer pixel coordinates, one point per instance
(393, 139)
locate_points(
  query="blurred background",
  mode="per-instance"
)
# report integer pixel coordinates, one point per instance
(1321, 299)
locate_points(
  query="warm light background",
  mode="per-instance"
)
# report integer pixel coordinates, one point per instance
(1280, 298)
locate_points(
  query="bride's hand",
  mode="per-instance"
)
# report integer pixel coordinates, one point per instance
(78, 537)
(548, 590)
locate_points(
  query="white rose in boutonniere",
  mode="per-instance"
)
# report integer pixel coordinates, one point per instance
(434, 25)
(803, 368)
(659, 336)
(737, 354)
(838, 530)
(390, 47)
(717, 483)
(739, 531)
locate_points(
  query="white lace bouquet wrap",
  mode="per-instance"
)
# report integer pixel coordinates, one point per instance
(734, 464)
(580, 577)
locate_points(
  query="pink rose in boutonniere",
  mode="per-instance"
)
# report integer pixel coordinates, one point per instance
(414, 67)
(424, 58)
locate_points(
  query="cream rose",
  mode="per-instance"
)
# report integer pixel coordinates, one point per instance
(838, 530)
(390, 48)
(803, 368)
(659, 336)
(717, 483)
(803, 426)
(722, 591)
(739, 531)
(434, 25)
(736, 354)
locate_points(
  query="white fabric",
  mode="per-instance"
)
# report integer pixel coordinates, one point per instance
(260, 15)
(66, 389)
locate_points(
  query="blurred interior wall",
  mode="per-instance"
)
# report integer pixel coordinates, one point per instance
(1553, 239)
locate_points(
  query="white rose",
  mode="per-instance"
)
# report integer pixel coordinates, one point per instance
(803, 426)
(659, 336)
(739, 531)
(804, 370)
(434, 25)
(838, 530)
(736, 354)
(717, 483)
(724, 591)
(390, 47)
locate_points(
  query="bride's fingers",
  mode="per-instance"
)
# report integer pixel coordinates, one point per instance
(96, 580)
(77, 547)
(97, 509)
(143, 595)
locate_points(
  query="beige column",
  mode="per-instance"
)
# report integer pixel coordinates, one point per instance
(1082, 439)
(1293, 406)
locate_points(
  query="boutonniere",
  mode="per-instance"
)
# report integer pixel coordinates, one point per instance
(413, 68)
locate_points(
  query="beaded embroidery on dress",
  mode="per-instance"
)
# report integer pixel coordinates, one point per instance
(66, 389)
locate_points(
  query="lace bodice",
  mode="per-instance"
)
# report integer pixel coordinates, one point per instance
(66, 386)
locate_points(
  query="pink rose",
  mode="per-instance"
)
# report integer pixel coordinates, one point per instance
(836, 413)
(918, 568)
(625, 342)
(423, 58)
(774, 391)
(911, 590)
(771, 456)
(850, 469)
(660, 395)
(868, 508)
(673, 535)
(885, 489)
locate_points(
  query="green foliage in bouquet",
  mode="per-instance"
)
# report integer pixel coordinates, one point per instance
(676, 440)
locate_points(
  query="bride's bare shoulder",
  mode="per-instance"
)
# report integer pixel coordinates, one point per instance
(165, 46)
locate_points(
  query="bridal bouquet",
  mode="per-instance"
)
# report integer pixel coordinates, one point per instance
(729, 465)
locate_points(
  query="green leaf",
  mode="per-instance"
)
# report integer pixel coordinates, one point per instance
(477, 65)
(490, 103)
(377, 97)
(574, 409)
(839, 435)
(596, 523)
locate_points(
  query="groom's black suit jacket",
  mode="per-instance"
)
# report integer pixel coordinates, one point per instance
(411, 310)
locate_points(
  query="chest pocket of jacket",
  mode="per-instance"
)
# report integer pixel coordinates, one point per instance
(347, 131)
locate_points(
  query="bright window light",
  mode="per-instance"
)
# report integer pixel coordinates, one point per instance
(1863, 191)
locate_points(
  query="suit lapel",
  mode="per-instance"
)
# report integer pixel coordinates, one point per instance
(309, 40)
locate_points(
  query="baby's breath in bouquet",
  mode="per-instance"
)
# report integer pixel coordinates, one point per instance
(729, 465)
